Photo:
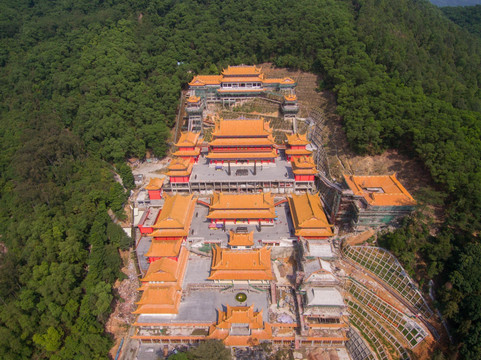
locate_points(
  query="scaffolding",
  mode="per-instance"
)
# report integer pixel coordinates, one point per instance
(356, 346)
(384, 265)
(408, 329)
(374, 331)
(316, 138)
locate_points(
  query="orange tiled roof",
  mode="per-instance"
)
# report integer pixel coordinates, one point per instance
(167, 270)
(242, 70)
(193, 99)
(236, 239)
(285, 80)
(298, 152)
(297, 139)
(383, 190)
(160, 248)
(189, 153)
(243, 317)
(202, 80)
(159, 300)
(304, 165)
(254, 141)
(242, 206)
(242, 155)
(155, 184)
(308, 216)
(241, 264)
(176, 216)
(242, 128)
(188, 139)
(291, 97)
(255, 78)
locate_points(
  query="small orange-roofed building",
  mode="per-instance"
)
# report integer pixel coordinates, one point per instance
(237, 83)
(166, 271)
(296, 146)
(163, 248)
(308, 216)
(240, 326)
(242, 141)
(187, 146)
(158, 300)
(376, 200)
(173, 221)
(242, 208)
(304, 168)
(290, 107)
(241, 240)
(179, 170)
(154, 188)
(241, 266)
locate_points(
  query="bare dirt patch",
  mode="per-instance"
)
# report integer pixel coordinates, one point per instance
(126, 292)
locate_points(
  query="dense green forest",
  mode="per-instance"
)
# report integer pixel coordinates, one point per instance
(454, 3)
(86, 84)
(468, 18)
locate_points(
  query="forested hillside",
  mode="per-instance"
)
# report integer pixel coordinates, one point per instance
(86, 84)
(468, 18)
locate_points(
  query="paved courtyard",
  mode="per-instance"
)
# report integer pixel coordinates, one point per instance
(282, 228)
(202, 305)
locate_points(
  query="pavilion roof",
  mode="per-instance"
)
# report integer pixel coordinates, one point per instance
(234, 155)
(240, 239)
(159, 300)
(254, 141)
(298, 152)
(193, 99)
(230, 264)
(242, 128)
(242, 70)
(242, 206)
(202, 80)
(243, 316)
(176, 215)
(290, 97)
(286, 80)
(155, 184)
(160, 248)
(308, 216)
(188, 139)
(380, 190)
(297, 139)
(167, 270)
(303, 165)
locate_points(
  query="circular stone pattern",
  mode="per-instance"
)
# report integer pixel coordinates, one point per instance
(241, 297)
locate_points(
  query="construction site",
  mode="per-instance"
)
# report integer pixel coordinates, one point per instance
(253, 232)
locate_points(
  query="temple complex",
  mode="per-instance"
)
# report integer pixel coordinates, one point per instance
(243, 244)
